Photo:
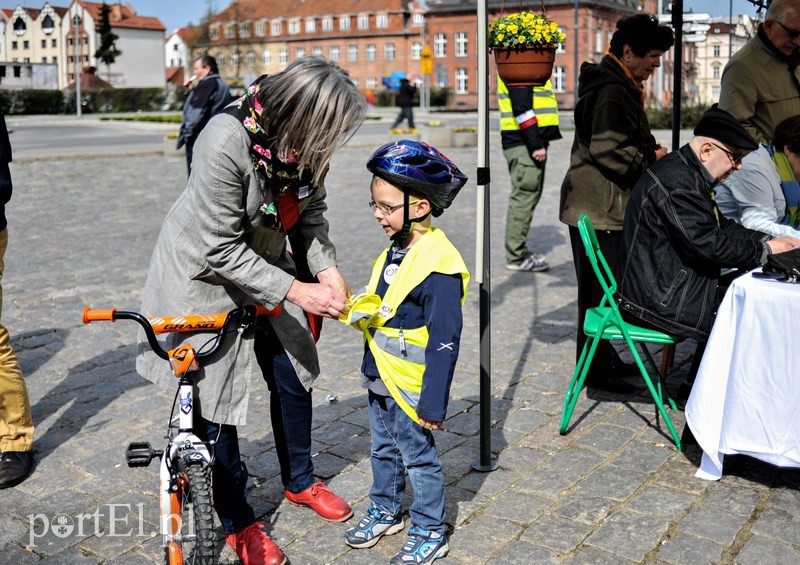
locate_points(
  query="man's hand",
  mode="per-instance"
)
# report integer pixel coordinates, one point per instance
(430, 425)
(332, 278)
(539, 154)
(781, 244)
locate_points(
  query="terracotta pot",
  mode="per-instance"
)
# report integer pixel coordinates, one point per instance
(525, 67)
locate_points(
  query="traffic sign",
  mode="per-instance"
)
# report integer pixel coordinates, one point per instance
(426, 61)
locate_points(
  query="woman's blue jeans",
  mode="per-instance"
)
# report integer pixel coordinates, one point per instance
(399, 445)
(290, 411)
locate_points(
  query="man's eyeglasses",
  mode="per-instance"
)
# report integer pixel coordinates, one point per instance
(735, 158)
(791, 32)
(385, 209)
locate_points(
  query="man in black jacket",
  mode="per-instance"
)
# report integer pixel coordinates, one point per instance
(16, 425)
(205, 100)
(405, 99)
(675, 240)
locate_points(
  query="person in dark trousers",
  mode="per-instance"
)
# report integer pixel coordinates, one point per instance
(205, 100)
(405, 99)
(16, 423)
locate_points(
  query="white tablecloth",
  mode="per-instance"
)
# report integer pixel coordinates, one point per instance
(746, 398)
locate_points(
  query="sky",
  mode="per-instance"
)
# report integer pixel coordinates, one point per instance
(178, 13)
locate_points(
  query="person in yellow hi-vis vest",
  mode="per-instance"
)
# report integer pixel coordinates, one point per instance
(528, 123)
(410, 315)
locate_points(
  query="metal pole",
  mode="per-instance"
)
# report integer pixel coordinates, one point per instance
(677, 25)
(76, 21)
(730, 29)
(575, 53)
(483, 246)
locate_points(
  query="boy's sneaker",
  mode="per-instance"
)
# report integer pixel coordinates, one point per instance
(423, 546)
(532, 263)
(372, 527)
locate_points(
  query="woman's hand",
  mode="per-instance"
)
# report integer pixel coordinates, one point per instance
(317, 298)
(332, 278)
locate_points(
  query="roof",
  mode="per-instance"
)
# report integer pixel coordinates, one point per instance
(185, 33)
(175, 75)
(123, 16)
(90, 80)
(271, 9)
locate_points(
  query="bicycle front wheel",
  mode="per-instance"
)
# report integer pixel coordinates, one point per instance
(192, 519)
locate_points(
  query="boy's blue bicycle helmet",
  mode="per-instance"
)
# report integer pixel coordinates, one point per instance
(417, 166)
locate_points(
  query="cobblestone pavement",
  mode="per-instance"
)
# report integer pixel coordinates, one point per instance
(613, 490)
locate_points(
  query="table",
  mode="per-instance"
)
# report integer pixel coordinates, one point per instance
(746, 398)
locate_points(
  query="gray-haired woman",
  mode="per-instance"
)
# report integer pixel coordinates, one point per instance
(258, 174)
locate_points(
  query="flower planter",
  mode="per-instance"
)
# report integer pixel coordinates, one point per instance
(410, 136)
(464, 138)
(525, 67)
(436, 136)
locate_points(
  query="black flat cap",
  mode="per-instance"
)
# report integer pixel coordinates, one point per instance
(720, 125)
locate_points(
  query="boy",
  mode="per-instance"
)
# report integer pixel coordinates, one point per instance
(410, 314)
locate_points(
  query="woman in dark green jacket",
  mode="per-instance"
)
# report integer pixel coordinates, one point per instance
(613, 146)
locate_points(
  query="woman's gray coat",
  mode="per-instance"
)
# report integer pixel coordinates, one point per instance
(213, 254)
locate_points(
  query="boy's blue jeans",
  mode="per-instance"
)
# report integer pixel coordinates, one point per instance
(400, 444)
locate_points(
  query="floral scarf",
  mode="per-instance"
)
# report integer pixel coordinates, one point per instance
(285, 185)
(789, 186)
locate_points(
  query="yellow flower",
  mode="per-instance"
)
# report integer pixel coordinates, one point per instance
(500, 36)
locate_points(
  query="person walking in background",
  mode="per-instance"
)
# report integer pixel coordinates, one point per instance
(761, 83)
(16, 423)
(405, 100)
(259, 176)
(206, 99)
(410, 314)
(528, 123)
(613, 146)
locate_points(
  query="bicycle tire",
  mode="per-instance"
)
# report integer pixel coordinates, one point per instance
(192, 517)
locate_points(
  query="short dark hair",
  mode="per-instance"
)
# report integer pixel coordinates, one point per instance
(209, 61)
(643, 33)
(787, 134)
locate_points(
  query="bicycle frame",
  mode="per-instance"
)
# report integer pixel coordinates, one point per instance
(184, 449)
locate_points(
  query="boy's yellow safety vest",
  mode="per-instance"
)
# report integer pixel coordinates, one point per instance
(400, 352)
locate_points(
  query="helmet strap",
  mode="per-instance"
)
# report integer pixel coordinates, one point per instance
(400, 237)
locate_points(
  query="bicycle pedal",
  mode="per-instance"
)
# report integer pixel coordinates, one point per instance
(140, 454)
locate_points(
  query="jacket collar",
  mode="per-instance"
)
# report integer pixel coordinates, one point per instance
(790, 61)
(688, 156)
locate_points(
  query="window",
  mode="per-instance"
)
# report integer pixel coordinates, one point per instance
(261, 29)
(334, 54)
(439, 45)
(352, 53)
(416, 50)
(294, 27)
(283, 56)
(599, 43)
(559, 79)
(221, 60)
(48, 26)
(53, 42)
(382, 21)
(372, 82)
(44, 44)
(716, 50)
(276, 28)
(213, 32)
(19, 29)
(560, 48)
(344, 23)
(299, 53)
(251, 59)
(715, 92)
(267, 57)
(235, 59)
(70, 59)
(440, 74)
(44, 59)
(327, 23)
(461, 44)
(26, 44)
(363, 21)
(230, 31)
(15, 45)
(370, 52)
(461, 81)
(715, 71)
(316, 51)
(389, 51)
(311, 25)
(419, 19)
(55, 60)
(17, 72)
(244, 29)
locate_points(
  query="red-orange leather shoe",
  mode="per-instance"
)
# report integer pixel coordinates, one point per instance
(321, 500)
(254, 547)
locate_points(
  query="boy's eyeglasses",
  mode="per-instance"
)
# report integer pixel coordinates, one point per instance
(385, 209)
(735, 158)
(791, 32)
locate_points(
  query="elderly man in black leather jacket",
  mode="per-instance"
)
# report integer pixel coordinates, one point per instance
(676, 242)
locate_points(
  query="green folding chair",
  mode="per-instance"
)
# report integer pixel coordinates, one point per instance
(605, 322)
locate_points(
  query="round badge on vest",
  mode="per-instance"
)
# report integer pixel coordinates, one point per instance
(390, 272)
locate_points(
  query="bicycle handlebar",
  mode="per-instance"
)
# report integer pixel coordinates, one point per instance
(245, 316)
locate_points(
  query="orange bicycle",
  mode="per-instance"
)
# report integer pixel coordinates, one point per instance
(186, 506)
